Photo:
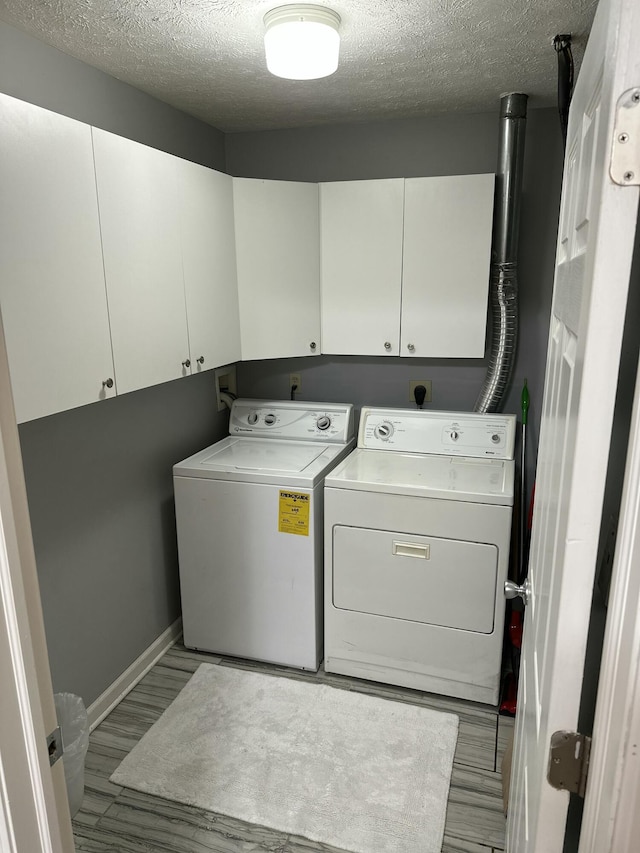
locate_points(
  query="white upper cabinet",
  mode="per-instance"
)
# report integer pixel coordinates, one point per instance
(276, 228)
(446, 258)
(139, 200)
(52, 292)
(209, 262)
(405, 266)
(361, 266)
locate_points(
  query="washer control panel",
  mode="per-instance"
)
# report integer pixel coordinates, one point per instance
(442, 433)
(294, 420)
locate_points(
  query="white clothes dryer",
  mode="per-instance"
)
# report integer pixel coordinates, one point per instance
(417, 535)
(249, 514)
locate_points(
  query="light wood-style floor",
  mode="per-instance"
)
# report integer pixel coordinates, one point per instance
(118, 819)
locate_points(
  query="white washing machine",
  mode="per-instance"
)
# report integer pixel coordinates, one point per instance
(249, 513)
(417, 534)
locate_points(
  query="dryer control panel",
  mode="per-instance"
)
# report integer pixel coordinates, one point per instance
(293, 420)
(442, 433)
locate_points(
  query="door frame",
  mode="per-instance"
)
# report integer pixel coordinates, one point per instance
(34, 811)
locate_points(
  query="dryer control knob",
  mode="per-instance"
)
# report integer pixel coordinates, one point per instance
(269, 419)
(252, 417)
(323, 422)
(383, 431)
(495, 438)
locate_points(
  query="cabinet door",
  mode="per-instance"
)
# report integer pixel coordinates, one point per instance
(361, 266)
(52, 294)
(209, 263)
(139, 202)
(278, 267)
(447, 252)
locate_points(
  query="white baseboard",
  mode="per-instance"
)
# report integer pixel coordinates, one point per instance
(105, 703)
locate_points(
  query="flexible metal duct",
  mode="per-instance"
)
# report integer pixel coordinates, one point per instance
(503, 284)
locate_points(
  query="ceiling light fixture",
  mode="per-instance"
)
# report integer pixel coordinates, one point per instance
(302, 42)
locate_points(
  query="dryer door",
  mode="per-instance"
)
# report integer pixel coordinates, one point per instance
(446, 582)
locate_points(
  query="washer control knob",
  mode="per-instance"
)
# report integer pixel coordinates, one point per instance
(495, 438)
(454, 435)
(252, 417)
(269, 419)
(383, 431)
(323, 422)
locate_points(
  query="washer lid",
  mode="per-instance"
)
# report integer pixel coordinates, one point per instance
(254, 460)
(254, 454)
(452, 478)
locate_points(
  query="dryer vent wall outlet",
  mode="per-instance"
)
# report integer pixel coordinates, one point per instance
(413, 383)
(225, 381)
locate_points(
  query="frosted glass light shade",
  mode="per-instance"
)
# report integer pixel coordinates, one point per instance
(302, 42)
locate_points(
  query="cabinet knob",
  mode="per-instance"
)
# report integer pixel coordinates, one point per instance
(200, 360)
(410, 347)
(108, 383)
(312, 345)
(387, 344)
(186, 363)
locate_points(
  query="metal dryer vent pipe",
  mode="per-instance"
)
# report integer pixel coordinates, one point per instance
(503, 283)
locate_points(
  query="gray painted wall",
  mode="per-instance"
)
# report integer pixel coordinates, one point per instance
(101, 502)
(99, 477)
(42, 75)
(444, 145)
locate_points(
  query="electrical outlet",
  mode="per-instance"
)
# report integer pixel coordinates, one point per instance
(427, 385)
(294, 379)
(225, 381)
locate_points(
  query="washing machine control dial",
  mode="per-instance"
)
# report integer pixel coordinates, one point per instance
(323, 422)
(270, 419)
(454, 435)
(383, 431)
(252, 418)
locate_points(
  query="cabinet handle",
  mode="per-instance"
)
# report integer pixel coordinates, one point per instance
(186, 363)
(410, 347)
(200, 360)
(312, 345)
(108, 383)
(387, 345)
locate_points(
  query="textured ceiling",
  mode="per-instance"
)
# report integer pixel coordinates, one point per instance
(399, 58)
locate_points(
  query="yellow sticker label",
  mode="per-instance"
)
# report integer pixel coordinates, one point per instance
(293, 513)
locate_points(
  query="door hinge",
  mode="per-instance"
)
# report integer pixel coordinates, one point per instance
(55, 746)
(625, 150)
(569, 762)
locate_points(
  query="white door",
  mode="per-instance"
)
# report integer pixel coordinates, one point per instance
(595, 243)
(209, 262)
(278, 258)
(361, 266)
(445, 268)
(52, 291)
(138, 202)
